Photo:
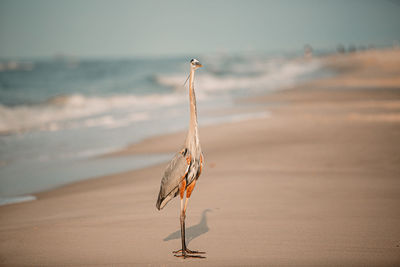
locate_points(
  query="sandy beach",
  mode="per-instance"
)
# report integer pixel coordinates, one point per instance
(317, 183)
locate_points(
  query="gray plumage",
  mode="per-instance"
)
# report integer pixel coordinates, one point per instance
(179, 169)
(184, 169)
(169, 188)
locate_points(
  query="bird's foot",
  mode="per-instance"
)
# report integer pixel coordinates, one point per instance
(189, 251)
(186, 254)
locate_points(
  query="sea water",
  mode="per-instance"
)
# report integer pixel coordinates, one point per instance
(58, 115)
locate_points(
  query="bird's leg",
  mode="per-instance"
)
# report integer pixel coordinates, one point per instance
(188, 194)
(184, 249)
(182, 219)
(184, 210)
(183, 254)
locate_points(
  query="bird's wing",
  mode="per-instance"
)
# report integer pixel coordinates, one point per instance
(173, 175)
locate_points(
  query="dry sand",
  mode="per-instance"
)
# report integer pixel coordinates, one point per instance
(316, 184)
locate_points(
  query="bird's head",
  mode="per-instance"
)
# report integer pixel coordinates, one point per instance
(195, 64)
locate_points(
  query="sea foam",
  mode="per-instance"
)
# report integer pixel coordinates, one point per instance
(268, 75)
(12, 200)
(48, 115)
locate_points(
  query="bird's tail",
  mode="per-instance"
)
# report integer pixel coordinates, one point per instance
(159, 201)
(163, 200)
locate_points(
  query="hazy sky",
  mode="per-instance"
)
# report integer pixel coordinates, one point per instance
(89, 28)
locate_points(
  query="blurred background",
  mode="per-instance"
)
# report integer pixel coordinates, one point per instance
(79, 79)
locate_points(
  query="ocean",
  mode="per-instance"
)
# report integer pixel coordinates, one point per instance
(58, 115)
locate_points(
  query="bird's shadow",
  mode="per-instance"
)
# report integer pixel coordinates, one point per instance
(193, 231)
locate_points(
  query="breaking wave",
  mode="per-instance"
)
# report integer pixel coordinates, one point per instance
(18, 199)
(269, 75)
(68, 109)
(221, 77)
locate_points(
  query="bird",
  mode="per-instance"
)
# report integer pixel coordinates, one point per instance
(183, 171)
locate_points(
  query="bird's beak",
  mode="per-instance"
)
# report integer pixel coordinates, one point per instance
(199, 65)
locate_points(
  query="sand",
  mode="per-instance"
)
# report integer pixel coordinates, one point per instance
(315, 184)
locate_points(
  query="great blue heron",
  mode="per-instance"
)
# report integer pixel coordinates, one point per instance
(185, 168)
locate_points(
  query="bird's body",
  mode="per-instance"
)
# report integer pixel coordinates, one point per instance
(178, 169)
(182, 172)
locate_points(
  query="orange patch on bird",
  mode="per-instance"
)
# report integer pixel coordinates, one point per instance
(201, 164)
(182, 188)
(190, 189)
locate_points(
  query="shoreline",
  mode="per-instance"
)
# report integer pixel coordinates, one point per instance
(344, 66)
(316, 184)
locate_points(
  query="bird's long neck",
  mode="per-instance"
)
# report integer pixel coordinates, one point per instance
(193, 132)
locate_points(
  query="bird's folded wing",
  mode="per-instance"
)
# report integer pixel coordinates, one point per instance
(173, 175)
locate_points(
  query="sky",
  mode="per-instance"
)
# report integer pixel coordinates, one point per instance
(99, 28)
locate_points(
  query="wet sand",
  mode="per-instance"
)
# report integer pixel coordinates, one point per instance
(315, 184)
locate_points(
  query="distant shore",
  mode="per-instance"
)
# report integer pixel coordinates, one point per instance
(315, 184)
